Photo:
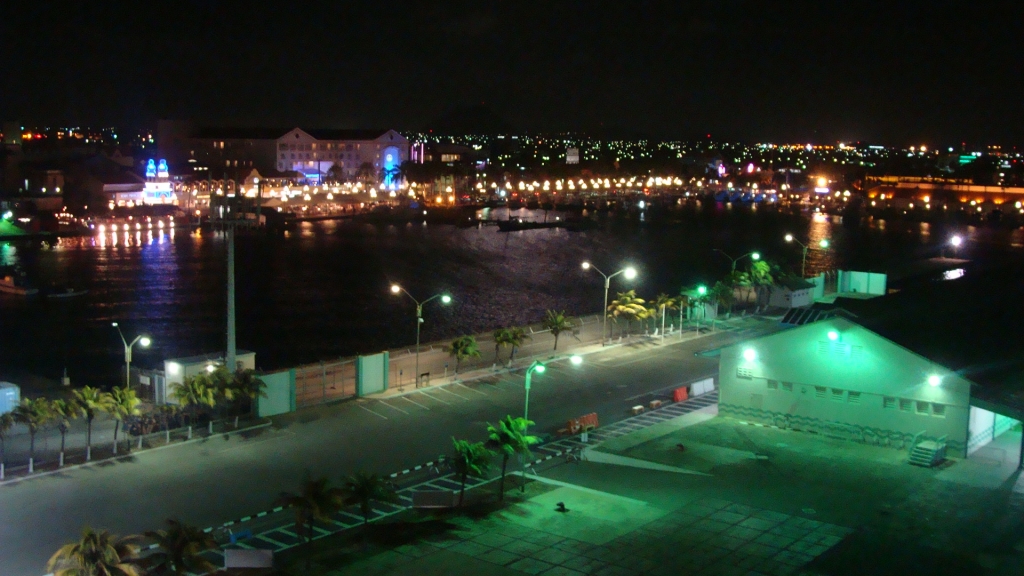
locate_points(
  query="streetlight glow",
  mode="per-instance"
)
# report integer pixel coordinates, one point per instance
(586, 265)
(833, 335)
(630, 273)
(749, 355)
(789, 237)
(755, 256)
(539, 368)
(823, 243)
(702, 289)
(934, 380)
(145, 341)
(576, 359)
(446, 299)
(956, 241)
(395, 288)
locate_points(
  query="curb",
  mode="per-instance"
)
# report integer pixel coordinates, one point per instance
(71, 467)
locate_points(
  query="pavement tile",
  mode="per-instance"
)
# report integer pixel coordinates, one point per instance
(470, 548)
(833, 530)
(715, 503)
(774, 540)
(744, 533)
(793, 532)
(728, 517)
(500, 557)
(759, 550)
(542, 538)
(793, 558)
(416, 550)
(530, 565)
(552, 555)
(584, 564)
(574, 546)
(816, 550)
(758, 523)
(561, 571)
(522, 547)
(698, 511)
(740, 509)
(615, 571)
(709, 525)
(769, 515)
(493, 539)
(730, 542)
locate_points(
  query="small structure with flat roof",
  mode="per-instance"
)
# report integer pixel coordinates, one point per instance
(176, 370)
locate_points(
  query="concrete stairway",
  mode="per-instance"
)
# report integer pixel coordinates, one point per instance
(928, 453)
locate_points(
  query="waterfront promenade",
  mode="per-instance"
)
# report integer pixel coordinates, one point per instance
(212, 481)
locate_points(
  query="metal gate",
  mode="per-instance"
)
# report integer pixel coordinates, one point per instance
(324, 382)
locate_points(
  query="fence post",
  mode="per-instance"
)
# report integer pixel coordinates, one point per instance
(323, 382)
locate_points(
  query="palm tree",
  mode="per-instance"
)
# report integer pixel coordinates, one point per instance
(517, 336)
(221, 382)
(723, 294)
(761, 280)
(92, 401)
(33, 414)
(123, 404)
(663, 302)
(628, 306)
(364, 489)
(6, 423)
(470, 459)
(502, 337)
(510, 438)
(192, 394)
(556, 323)
(64, 411)
(167, 412)
(316, 500)
(247, 386)
(461, 348)
(180, 548)
(97, 554)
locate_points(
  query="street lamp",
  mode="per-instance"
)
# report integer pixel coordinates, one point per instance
(144, 340)
(539, 367)
(753, 256)
(629, 272)
(445, 299)
(823, 243)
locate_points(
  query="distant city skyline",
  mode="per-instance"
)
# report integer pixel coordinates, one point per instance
(896, 74)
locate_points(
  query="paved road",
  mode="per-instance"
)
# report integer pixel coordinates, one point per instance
(221, 479)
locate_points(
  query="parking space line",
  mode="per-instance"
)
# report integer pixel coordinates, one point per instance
(471, 389)
(371, 411)
(407, 399)
(445, 389)
(392, 407)
(431, 396)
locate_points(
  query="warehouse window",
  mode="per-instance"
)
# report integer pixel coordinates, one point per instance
(773, 384)
(837, 395)
(819, 391)
(787, 386)
(905, 405)
(853, 397)
(888, 402)
(922, 408)
(939, 410)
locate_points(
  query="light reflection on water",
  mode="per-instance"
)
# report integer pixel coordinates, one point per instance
(321, 290)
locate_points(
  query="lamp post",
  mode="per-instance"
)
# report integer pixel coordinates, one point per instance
(445, 299)
(823, 243)
(539, 367)
(144, 340)
(629, 272)
(956, 241)
(753, 256)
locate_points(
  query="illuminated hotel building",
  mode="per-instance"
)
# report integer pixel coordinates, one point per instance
(314, 153)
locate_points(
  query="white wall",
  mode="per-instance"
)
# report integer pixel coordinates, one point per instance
(858, 385)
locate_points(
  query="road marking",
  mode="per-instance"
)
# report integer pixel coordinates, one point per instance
(433, 398)
(450, 392)
(471, 389)
(262, 439)
(371, 411)
(407, 399)
(392, 407)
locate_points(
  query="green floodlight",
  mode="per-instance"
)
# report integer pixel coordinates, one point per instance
(934, 380)
(833, 335)
(702, 289)
(539, 368)
(750, 355)
(576, 359)
(446, 299)
(823, 243)
(755, 256)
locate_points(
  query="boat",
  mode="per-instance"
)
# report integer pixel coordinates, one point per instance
(65, 292)
(11, 284)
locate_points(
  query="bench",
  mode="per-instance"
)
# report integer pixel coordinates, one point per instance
(655, 404)
(638, 409)
(584, 423)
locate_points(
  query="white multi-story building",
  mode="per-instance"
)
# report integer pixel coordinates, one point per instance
(340, 153)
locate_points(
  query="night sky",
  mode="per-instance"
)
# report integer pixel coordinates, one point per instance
(892, 72)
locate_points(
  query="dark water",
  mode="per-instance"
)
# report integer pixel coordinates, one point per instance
(321, 291)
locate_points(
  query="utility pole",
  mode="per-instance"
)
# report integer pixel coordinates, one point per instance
(229, 356)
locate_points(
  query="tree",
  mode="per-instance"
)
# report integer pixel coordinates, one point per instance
(629, 307)
(180, 548)
(92, 401)
(97, 554)
(364, 489)
(502, 337)
(470, 459)
(316, 500)
(462, 348)
(762, 280)
(165, 413)
(6, 423)
(517, 337)
(366, 173)
(64, 411)
(556, 323)
(33, 414)
(192, 394)
(722, 293)
(509, 437)
(123, 405)
(662, 303)
(246, 388)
